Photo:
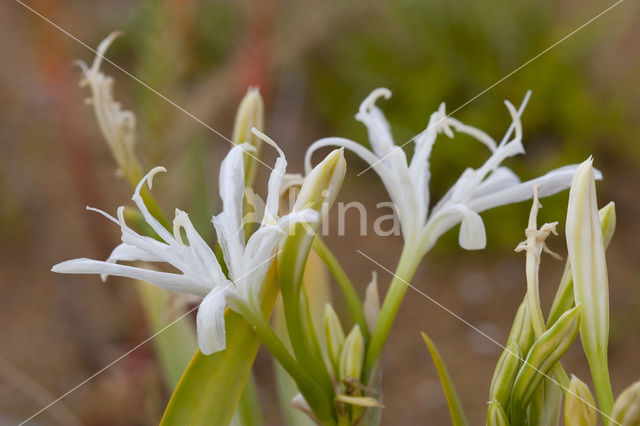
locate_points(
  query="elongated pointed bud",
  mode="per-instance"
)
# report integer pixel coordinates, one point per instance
(626, 410)
(371, 306)
(564, 299)
(608, 222)
(544, 353)
(334, 335)
(318, 192)
(505, 374)
(522, 329)
(352, 354)
(250, 114)
(545, 406)
(579, 408)
(585, 243)
(321, 186)
(496, 415)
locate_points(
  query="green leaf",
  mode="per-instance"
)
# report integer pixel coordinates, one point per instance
(248, 412)
(455, 408)
(211, 387)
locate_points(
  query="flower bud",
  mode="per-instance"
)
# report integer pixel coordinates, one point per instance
(250, 114)
(544, 353)
(564, 299)
(334, 335)
(579, 408)
(352, 354)
(371, 306)
(626, 410)
(496, 415)
(585, 244)
(505, 374)
(318, 192)
(321, 186)
(522, 329)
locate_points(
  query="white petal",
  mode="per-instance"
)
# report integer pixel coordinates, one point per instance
(128, 253)
(173, 282)
(275, 180)
(472, 234)
(228, 224)
(232, 186)
(500, 178)
(148, 217)
(200, 256)
(377, 125)
(390, 180)
(549, 184)
(474, 132)
(210, 322)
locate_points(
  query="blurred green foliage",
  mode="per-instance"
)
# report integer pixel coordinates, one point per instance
(429, 52)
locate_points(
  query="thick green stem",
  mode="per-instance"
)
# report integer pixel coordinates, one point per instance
(407, 266)
(602, 385)
(312, 392)
(350, 295)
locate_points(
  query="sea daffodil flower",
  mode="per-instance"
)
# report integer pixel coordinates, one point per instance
(200, 272)
(407, 182)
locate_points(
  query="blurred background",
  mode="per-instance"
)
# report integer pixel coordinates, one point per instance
(314, 62)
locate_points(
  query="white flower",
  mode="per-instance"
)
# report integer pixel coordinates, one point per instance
(475, 191)
(200, 273)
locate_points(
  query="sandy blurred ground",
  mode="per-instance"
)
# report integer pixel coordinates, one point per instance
(59, 330)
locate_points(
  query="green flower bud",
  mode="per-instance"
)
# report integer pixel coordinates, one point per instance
(352, 354)
(496, 415)
(544, 353)
(250, 114)
(321, 186)
(334, 335)
(585, 244)
(522, 329)
(564, 299)
(371, 305)
(579, 408)
(505, 374)
(626, 410)
(318, 192)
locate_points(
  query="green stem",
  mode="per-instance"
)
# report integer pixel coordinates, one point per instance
(404, 273)
(312, 392)
(602, 385)
(350, 295)
(301, 341)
